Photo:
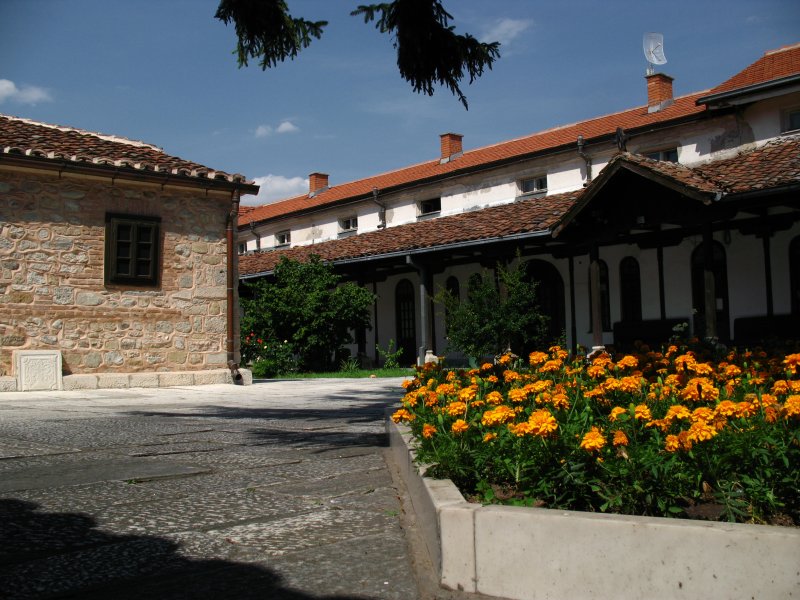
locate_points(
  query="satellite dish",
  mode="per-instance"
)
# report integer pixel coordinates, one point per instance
(653, 44)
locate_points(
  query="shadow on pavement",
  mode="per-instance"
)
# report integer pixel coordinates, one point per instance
(63, 555)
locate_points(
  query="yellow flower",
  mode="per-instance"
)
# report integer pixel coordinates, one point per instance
(445, 388)
(628, 362)
(517, 395)
(496, 416)
(677, 411)
(702, 414)
(402, 414)
(467, 394)
(616, 412)
(701, 431)
(455, 409)
(489, 437)
(494, 398)
(487, 366)
(551, 365)
(492, 379)
(791, 408)
(428, 431)
(701, 368)
(745, 409)
(595, 371)
(509, 376)
(593, 440)
(459, 427)
(505, 359)
(631, 384)
(726, 408)
(642, 413)
(542, 423)
(537, 358)
(620, 439)
(672, 443)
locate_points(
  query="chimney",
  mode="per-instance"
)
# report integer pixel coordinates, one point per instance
(659, 91)
(451, 146)
(317, 182)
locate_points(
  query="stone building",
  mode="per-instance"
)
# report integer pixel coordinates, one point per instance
(117, 262)
(683, 211)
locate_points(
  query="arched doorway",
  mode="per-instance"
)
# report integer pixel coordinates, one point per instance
(405, 321)
(720, 270)
(549, 294)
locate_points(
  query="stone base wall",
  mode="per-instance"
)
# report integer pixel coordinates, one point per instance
(52, 286)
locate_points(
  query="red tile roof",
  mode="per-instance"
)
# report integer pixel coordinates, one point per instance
(528, 216)
(775, 64)
(481, 157)
(773, 165)
(31, 138)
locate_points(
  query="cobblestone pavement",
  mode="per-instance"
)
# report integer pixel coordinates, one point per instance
(276, 490)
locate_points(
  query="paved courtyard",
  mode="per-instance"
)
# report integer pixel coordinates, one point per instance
(276, 490)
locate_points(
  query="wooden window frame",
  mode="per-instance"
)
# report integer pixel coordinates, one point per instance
(135, 261)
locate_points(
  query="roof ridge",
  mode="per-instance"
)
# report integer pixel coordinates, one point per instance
(782, 49)
(103, 136)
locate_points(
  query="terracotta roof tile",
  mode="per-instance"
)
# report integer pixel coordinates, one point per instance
(542, 141)
(775, 164)
(775, 64)
(496, 222)
(31, 138)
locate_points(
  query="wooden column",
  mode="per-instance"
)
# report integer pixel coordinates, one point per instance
(573, 329)
(709, 288)
(596, 296)
(765, 240)
(661, 301)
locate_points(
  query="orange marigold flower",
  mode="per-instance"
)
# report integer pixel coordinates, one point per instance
(492, 379)
(537, 387)
(428, 431)
(746, 409)
(551, 365)
(702, 414)
(494, 397)
(701, 431)
(519, 429)
(781, 386)
(672, 443)
(505, 359)
(770, 414)
(478, 403)
(431, 398)
(595, 371)
(537, 358)
(616, 412)
(677, 411)
(510, 376)
(456, 409)
(517, 395)
(558, 352)
(726, 408)
(445, 388)
(642, 413)
(610, 385)
(459, 426)
(683, 361)
(408, 383)
(631, 384)
(487, 366)
(467, 394)
(791, 408)
(593, 440)
(768, 400)
(402, 414)
(731, 371)
(542, 423)
(620, 439)
(701, 368)
(452, 376)
(699, 388)
(496, 416)
(489, 437)
(410, 399)
(560, 401)
(628, 362)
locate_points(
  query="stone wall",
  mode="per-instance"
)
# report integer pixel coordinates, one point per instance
(52, 290)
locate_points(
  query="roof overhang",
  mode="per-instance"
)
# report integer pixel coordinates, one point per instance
(107, 171)
(752, 93)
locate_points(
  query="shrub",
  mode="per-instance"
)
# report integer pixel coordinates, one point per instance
(666, 434)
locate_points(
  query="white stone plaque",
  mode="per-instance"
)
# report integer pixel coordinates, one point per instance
(38, 370)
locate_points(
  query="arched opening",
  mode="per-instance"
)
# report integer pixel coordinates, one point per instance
(549, 294)
(720, 271)
(405, 321)
(605, 297)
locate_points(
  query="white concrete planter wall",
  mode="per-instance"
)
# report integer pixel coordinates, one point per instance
(531, 554)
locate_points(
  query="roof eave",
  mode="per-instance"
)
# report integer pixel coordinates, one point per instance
(752, 93)
(126, 173)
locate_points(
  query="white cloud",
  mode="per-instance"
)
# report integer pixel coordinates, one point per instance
(283, 127)
(276, 187)
(287, 127)
(263, 131)
(27, 94)
(505, 31)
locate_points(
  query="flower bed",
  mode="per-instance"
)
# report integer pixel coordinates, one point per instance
(662, 434)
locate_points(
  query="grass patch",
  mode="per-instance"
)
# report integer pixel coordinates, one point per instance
(357, 374)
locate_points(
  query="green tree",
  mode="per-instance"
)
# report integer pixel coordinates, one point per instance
(498, 313)
(305, 304)
(429, 52)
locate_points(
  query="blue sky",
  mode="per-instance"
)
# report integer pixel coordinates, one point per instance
(163, 71)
